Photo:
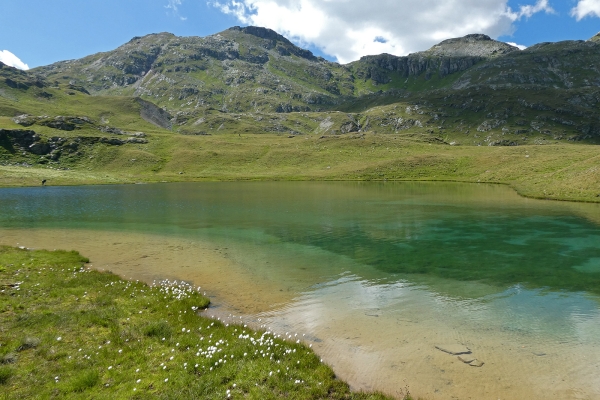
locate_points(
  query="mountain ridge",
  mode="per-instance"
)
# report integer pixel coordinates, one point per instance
(468, 90)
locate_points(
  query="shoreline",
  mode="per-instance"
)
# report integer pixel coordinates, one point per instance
(100, 335)
(200, 180)
(561, 172)
(335, 336)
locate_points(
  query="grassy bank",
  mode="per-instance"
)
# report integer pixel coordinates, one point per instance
(71, 332)
(556, 171)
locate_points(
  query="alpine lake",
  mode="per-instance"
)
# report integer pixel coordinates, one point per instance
(373, 275)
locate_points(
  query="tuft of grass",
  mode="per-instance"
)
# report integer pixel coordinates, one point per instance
(5, 374)
(159, 329)
(104, 337)
(86, 380)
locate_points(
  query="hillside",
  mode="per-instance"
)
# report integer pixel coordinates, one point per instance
(470, 90)
(149, 97)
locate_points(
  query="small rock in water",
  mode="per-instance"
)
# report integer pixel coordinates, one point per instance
(467, 358)
(476, 363)
(372, 313)
(454, 349)
(539, 354)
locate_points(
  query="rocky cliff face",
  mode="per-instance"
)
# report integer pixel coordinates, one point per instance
(568, 65)
(443, 59)
(17, 79)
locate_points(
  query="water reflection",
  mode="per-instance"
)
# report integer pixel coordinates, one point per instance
(462, 232)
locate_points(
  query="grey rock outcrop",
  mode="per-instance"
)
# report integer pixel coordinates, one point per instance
(18, 137)
(283, 46)
(154, 114)
(445, 58)
(474, 45)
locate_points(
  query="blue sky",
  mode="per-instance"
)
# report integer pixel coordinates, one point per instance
(40, 32)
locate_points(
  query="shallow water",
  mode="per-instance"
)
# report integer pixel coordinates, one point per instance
(373, 274)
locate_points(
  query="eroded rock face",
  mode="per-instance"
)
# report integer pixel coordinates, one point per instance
(154, 114)
(19, 137)
(60, 122)
(474, 45)
(29, 141)
(445, 58)
(24, 120)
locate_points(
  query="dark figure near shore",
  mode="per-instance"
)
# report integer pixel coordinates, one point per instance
(43, 182)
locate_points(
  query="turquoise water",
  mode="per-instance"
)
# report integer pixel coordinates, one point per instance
(381, 272)
(460, 232)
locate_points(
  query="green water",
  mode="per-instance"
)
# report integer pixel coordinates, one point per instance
(375, 274)
(455, 231)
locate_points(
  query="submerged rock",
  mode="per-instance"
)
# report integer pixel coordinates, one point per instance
(467, 358)
(454, 349)
(476, 363)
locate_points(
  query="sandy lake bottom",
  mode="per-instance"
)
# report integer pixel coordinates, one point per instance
(377, 334)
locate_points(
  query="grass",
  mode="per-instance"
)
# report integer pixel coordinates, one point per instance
(71, 332)
(557, 171)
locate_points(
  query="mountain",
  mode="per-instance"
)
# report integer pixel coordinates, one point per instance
(470, 90)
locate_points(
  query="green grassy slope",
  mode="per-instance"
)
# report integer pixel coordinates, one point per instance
(562, 171)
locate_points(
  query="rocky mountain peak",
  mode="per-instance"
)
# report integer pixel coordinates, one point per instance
(271, 40)
(595, 38)
(473, 45)
(263, 33)
(152, 36)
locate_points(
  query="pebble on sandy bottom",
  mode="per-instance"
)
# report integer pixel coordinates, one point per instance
(476, 363)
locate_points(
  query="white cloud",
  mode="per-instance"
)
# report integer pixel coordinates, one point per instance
(349, 29)
(174, 5)
(528, 10)
(10, 59)
(586, 8)
(519, 46)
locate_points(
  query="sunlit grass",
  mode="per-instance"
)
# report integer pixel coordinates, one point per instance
(561, 171)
